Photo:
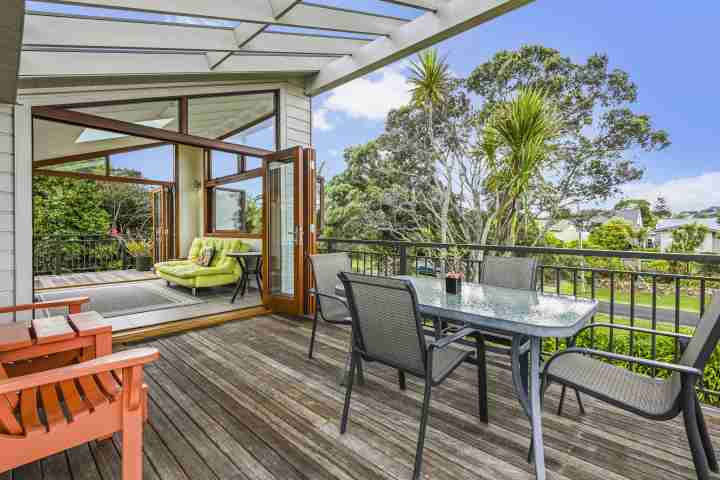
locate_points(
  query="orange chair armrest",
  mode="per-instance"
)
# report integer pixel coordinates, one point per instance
(116, 361)
(66, 302)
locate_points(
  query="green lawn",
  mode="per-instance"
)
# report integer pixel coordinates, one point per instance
(687, 303)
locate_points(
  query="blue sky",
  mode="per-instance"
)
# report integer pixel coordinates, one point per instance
(669, 51)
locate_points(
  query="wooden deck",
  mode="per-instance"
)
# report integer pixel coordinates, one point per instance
(90, 278)
(241, 401)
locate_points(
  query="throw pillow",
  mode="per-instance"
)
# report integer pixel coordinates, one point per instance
(205, 257)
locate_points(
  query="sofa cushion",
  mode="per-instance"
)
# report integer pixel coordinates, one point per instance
(206, 256)
(189, 269)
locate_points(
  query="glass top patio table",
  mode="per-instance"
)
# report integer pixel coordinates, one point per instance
(503, 309)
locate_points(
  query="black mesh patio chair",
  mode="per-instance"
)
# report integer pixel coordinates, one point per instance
(506, 272)
(330, 307)
(388, 328)
(652, 398)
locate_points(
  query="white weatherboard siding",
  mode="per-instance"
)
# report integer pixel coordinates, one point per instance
(7, 241)
(297, 114)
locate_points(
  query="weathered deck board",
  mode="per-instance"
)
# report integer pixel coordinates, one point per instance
(242, 401)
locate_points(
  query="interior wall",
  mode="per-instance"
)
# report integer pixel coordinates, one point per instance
(190, 196)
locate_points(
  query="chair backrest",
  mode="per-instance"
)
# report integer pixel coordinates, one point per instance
(706, 336)
(326, 267)
(507, 272)
(387, 326)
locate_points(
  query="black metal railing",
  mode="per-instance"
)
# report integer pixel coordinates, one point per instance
(58, 254)
(639, 289)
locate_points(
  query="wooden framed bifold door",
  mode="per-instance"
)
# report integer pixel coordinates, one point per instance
(163, 208)
(288, 229)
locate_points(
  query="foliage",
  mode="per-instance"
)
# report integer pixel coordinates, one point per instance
(64, 206)
(649, 219)
(517, 143)
(616, 234)
(661, 208)
(688, 238)
(138, 247)
(129, 206)
(429, 79)
(598, 123)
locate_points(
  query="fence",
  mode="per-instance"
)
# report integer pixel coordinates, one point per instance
(60, 254)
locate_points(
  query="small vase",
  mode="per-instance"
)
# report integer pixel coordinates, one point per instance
(453, 286)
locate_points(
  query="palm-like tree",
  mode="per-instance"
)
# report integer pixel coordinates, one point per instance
(517, 143)
(430, 86)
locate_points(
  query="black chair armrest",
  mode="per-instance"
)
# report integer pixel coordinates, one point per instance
(444, 342)
(682, 369)
(336, 298)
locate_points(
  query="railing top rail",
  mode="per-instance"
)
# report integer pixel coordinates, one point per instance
(672, 257)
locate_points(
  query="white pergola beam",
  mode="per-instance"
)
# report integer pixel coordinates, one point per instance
(258, 11)
(64, 32)
(68, 64)
(431, 5)
(449, 20)
(11, 33)
(245, 32)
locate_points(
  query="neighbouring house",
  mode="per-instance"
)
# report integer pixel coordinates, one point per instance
(566, 231)
(630, 215)
(665, 227)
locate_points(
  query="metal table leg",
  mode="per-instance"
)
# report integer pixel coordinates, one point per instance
(527, 388)
(240, 282)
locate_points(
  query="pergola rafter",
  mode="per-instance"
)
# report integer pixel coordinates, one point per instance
(231, 40)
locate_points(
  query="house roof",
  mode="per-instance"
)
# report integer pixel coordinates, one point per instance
(632, 215)
(327, 45)
(673, 223)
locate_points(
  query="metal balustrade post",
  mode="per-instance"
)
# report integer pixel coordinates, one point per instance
(402, 251)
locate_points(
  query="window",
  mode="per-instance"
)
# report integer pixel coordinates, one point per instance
(225, 116)
(95, 166)
(237, 206)
(155, 163)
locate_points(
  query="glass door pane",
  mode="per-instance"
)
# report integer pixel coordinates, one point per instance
(283, 231)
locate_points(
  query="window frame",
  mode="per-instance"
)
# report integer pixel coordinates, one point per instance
(210, 182)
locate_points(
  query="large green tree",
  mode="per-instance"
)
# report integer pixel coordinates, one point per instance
(599, 125)
(616, 234)
(66, 206)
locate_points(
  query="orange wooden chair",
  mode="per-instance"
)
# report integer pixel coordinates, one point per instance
(47, 412)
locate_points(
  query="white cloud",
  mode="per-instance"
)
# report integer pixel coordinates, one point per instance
(687, 193)
(321, 121)
(370, 97)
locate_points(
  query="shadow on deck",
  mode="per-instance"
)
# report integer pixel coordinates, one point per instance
(241, 401)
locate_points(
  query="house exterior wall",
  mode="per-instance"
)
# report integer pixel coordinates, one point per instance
(7, 224)
(16, 279)
(710, 243)
(298, 115)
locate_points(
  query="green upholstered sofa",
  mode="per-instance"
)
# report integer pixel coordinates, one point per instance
(222, 270)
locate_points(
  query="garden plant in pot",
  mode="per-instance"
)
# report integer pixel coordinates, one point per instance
(141, 250)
